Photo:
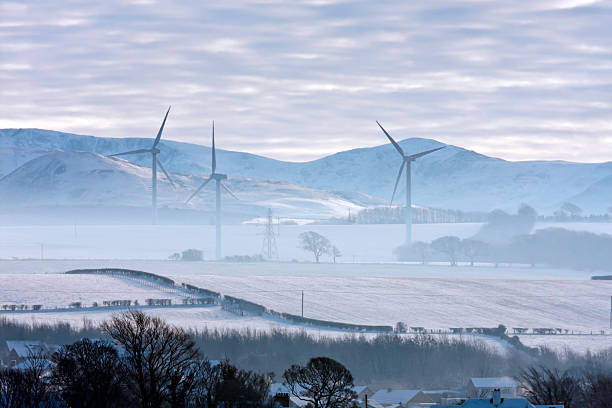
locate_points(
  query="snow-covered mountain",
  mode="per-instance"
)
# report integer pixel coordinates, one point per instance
(452, 178)
(73, 178)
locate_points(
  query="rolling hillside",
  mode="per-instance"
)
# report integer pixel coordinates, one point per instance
(452, 178)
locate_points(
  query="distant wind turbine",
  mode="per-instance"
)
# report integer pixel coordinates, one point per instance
(218, 177)
(154, 152)
(406, 163)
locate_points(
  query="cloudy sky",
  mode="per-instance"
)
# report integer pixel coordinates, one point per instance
(296, 80)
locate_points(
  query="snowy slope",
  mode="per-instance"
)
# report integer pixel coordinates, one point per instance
(429, 303)
(75, 178)
(451, 178)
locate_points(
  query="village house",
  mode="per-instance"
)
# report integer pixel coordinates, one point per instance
(15, 352)
(405, 398)
(483, 387)
(496, 401)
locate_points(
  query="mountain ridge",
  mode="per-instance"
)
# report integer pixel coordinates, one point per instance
(453, 178)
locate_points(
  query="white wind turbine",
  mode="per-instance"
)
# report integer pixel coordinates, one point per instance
(155, 161)
(219, 178)
(406, 163)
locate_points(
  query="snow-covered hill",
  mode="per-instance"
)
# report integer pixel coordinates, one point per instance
(452, 178)
(75, 178)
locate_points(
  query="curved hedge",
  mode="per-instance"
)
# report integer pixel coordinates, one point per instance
(241, 303)
(119, 271)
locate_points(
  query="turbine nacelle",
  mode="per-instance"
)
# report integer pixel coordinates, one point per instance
(218, 176)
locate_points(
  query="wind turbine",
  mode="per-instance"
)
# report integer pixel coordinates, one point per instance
(154, 152)
(218, 177)
(407, 164)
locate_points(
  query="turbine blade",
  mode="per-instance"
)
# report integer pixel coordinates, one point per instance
(132, 152)
(165, 172)
(416, 156)
(399, 175)
(161, 129)
(214, 154)
(229, 191)
(198, 190)
(397, 147)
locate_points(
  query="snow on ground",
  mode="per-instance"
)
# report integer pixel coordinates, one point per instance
(385, 270)
(214, 318)
(427, 302)
(59, 290)
(358, 243)
(574, 343)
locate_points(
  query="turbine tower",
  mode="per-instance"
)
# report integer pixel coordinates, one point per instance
(155, 161)
(407, 164)
(218, 177)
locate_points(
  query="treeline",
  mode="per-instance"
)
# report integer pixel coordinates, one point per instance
(387, 360)
(556, 247)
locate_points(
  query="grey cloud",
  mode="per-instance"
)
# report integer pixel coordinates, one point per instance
(511, 79)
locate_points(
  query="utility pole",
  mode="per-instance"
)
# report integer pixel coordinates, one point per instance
(302, 304)
(42, 251)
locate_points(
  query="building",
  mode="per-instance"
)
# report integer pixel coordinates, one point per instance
(496, 401)
(405, 398)
(362, 391)
(15, 352)
(483, 387)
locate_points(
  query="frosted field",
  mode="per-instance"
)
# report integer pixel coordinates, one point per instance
(432, 303)
(60, 290)
(358, 243)
(288, 269)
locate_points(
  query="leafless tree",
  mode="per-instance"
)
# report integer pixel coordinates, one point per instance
(473, 248)
(323, 382)
(89, 373)
(335, 252)
(316, 243)
(158, 358)
(26, 387)
(421, 249)
(448, 245)
(597, 390)
(550, 386)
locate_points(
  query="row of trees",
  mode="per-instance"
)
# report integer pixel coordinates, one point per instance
(556, 247)
(450, 248)
(151, 364)
(572, 388)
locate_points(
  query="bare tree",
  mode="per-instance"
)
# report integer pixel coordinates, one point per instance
(157, 356)
(549, 386)
(323, 382)
(449, 246)
(421, 249)
(208, 380)
(26, 387)
(315, 243)
(597, 390)
(473, 248)
(90, 374)
(335, 252)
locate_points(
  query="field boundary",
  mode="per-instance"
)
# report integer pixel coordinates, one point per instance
(233, 304)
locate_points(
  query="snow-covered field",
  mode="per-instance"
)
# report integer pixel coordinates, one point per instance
(358, 243)
(427, 302)
(59, 290)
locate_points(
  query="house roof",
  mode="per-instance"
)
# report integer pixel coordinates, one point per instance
(487, 403)
(389, 397)
(494, 382)
(25, 348)
(359, 388)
